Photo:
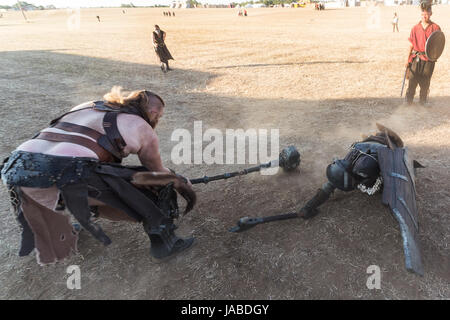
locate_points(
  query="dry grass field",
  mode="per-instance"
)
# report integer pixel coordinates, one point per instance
(322, 78)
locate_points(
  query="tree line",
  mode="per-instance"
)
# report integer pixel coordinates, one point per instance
(27, 6)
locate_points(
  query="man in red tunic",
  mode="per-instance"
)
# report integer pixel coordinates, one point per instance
(420, 67)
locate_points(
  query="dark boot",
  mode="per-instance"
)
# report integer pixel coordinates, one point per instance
(160, 251)
(164, 241)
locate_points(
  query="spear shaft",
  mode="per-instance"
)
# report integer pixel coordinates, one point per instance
(228, 175)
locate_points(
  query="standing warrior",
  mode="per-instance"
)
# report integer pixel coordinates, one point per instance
(420, 65)
(161, 50)
(73, 166)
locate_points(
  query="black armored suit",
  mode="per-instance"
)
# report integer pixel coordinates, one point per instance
(378, 162)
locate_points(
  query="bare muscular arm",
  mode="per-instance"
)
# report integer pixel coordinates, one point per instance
(149, 151)
(141, 139)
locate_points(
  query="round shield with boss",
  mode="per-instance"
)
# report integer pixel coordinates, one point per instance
(435, 45)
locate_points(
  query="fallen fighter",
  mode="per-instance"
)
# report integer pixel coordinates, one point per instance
(73, 166)
(379, 162)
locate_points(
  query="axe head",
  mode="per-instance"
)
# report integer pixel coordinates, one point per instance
(289, 158)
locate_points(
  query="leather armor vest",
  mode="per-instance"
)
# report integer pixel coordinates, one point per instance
(108, 147)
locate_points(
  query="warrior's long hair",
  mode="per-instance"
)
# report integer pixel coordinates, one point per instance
(138, 99)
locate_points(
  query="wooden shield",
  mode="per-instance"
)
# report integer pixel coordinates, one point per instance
(400, 195)
(435, 45)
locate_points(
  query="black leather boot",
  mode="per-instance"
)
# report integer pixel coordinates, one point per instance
(164, 241)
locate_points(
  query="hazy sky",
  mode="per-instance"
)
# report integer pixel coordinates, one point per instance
(100, 3)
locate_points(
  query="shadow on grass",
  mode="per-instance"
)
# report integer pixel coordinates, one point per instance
(289, 64)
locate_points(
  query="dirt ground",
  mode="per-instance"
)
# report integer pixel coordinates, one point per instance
(321, 78)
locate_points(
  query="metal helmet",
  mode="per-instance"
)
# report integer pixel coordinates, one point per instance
(338, 175)
(367, 170)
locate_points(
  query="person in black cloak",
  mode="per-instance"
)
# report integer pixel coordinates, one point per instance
(161, 50)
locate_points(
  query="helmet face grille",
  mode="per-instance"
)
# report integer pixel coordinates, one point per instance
(367, 169)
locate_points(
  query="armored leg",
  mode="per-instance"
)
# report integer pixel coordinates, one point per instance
(323, 194)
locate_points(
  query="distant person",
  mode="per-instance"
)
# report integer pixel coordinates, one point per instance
(420, 67)
(161, 50)
(395, 22)
(170, 14)
(123, 11)
(98, 18)
(173, 13)
(245, 12)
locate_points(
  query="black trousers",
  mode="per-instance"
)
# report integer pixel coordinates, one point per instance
(78, 179)
(420, 74)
